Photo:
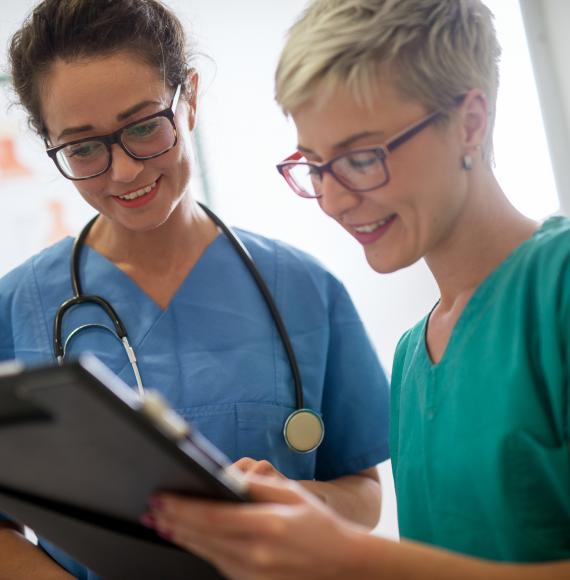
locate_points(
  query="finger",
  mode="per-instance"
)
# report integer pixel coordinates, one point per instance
(272, 490)
(263, 468)
(253, 520)
(244, 559)
(244, 464)
(273, 498)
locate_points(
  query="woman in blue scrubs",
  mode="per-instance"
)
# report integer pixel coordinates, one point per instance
(109, 88)
(394, 104)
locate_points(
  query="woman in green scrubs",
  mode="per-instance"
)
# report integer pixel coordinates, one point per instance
(394, 107)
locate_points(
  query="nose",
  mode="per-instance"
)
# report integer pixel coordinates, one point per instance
(124, 169)
(335, 198)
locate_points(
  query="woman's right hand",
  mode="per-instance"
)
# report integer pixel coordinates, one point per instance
(285, 534)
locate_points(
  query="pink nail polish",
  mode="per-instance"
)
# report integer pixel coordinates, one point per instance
(166, 534)
(148, 520)
(156, 503)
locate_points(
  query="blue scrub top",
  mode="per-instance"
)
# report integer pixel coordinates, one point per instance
(215, 354)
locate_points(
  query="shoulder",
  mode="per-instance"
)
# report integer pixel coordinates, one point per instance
(549, 247)
(39, 267)
(23, 293)
(276, 249)
(540, 268)
(289, 262)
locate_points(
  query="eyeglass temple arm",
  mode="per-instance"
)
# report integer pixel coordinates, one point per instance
(409, 133)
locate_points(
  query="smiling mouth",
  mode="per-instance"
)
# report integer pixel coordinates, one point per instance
(369, 228)
(138, 193)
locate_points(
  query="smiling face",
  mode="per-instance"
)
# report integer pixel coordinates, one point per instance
(97, 96)
(418, 209)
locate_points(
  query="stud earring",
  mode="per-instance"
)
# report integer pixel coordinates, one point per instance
(467, 162)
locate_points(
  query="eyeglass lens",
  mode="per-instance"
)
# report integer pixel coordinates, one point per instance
(358, 170)
(142, 140)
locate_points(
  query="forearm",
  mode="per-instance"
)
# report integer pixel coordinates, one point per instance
(378, 558)
(20, 559)
(357, 498)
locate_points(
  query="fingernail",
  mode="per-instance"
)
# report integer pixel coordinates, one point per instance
(148, 520)
(156, 503)
(166, 534)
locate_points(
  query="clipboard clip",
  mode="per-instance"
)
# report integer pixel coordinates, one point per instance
(157, 409)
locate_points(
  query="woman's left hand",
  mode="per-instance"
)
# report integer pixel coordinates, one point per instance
(286, 533)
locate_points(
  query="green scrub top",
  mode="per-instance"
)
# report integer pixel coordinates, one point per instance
(480, 441)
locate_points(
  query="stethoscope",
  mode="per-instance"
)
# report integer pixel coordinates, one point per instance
(303, 430)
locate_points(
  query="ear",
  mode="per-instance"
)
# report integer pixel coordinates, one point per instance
(192, 97)
(474, 116)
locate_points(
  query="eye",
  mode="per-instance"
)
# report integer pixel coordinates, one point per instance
(84, 150)
(362, 160)
(142, 130)
(313, 171)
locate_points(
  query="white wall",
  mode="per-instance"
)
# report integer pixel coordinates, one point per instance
(557, 13)
(546, 24)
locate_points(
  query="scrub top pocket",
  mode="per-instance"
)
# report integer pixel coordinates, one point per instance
(540, 500)
(218, 424)
(260, 431)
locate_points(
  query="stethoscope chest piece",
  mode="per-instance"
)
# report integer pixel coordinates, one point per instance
(303, 431)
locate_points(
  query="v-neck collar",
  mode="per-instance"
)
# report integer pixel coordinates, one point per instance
(120, 279)
(474, 304)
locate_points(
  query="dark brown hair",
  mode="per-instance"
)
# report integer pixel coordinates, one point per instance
(76, 29)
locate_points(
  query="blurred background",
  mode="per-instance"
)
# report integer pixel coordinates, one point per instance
(242, 134)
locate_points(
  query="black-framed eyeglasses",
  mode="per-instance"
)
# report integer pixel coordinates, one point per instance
(359, 170)
(142, 139)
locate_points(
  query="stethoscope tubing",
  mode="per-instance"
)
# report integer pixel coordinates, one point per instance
(79, 298)
(269, 300)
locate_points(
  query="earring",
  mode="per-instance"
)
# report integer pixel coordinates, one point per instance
(467, 162)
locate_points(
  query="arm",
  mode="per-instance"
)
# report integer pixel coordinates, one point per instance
(289, 534)
(374, 557)
(356, 497)
(20, 559)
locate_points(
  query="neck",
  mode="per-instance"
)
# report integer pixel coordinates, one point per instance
(179, 240)
(487, 230)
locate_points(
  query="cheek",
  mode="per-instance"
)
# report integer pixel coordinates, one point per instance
(184, 168)
(90, 191)
(179, 160)
(320, 202)
(432, 189)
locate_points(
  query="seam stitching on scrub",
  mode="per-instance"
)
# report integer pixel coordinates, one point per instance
(43, 310)
(274, 333)
(355, 464)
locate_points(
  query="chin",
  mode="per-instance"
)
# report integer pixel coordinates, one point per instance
(388, 264)
(138, 225)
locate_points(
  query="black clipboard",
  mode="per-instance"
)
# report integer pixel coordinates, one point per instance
(81, 453)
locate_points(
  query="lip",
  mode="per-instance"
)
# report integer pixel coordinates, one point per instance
(139, 201)
(369, 238)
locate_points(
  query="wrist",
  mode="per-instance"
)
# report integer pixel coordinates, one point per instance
(316, 488)
(357, 553)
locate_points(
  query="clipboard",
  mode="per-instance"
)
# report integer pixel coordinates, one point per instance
(81, 454)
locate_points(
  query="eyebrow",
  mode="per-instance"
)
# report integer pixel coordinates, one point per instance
(120, 117)
(347, 142)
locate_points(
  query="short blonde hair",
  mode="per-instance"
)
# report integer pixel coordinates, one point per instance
(436, 50)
